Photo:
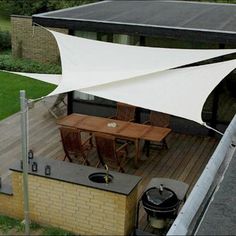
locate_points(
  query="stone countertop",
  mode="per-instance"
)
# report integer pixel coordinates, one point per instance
(79, 174)
(6, 189)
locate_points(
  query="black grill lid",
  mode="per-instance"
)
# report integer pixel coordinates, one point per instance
(157, 197)
(161, 197)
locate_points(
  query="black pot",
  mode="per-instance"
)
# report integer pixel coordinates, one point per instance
(160, 202)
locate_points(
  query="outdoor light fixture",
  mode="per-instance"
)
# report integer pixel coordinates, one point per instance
(34, 167)
(30, 154)
(47, 170)
(21, 164)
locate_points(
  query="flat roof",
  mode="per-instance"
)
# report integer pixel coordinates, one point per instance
(198, 21)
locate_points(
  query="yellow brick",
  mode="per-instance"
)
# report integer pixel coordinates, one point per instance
(80, 209)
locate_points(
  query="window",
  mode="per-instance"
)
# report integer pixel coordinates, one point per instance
(87, 98)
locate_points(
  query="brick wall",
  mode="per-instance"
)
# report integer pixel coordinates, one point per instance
(76, 208)
(13, 205)
(34, 43)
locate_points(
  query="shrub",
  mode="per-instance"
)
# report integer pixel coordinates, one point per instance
(30, 7)
(8, 63)
(5, 40)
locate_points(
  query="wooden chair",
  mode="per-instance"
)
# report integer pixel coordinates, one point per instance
(124, 112)
(108, 152)
(59, 106)
(161, 120)
(74, 146)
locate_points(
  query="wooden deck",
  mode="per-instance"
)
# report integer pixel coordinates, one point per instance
(184, 160)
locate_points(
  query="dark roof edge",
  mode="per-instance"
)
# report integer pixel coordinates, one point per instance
(138, 29)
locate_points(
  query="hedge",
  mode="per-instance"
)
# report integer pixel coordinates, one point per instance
(5, 40)
(7, 62)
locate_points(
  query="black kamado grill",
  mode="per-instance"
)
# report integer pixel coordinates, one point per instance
(161, 201)
(160, 204)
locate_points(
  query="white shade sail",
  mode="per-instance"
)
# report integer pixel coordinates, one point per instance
(49, 78)
(180, 92)
(87, 63)
(141, 76)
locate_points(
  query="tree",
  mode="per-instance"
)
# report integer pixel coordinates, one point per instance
(30, 7)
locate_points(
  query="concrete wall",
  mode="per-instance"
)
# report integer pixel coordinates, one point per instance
(35, 43)
(76, 208)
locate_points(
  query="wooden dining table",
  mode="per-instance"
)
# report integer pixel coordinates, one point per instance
(120, 129)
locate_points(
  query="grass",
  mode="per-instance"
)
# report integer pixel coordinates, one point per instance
(11, 226)
(7, 223)
(11, 84)
(55, 231)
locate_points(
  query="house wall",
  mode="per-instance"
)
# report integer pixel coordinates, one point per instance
(34, 43)
(80, 209)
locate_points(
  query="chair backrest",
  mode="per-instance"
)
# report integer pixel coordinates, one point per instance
(125, 112)
(106, 148)
(60, 99)
(159, 119)
(71, 140)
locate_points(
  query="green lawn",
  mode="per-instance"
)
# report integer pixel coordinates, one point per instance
(11, 84)
(11, 226)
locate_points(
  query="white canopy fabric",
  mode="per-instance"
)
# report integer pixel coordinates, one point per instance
(141, 76)
(180, 92)
(49, 78)
(87, 63)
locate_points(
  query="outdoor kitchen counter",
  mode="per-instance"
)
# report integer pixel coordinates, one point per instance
(79, 174)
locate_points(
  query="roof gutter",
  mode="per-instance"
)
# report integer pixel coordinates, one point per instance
(188, 219)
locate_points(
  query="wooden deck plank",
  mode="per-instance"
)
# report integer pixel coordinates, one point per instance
(197, 169)
(176, 161)
(184, 160)
(195, 151)
(187, 158)
(158, 169)
(155, 163)
(204, 158)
